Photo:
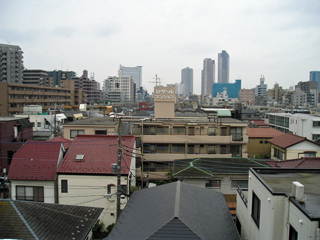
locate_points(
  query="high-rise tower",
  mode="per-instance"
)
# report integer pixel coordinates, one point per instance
(207, 76)
(187, 80)
(135, 72)
(223, 67)
(315, 77)
(11, 64)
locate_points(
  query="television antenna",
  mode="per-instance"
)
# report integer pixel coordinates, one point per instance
(157, 82)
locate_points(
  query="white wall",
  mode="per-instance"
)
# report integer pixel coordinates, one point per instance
(48, 188)
(89, 190)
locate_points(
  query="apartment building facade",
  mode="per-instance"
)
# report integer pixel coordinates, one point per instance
(11, 63)
(13, 97)
(304, 125)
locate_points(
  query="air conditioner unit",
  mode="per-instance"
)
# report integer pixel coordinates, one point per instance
(298, 191)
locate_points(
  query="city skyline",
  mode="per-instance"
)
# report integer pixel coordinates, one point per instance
(262, 37)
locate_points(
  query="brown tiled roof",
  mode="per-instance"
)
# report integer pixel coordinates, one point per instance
(304, 163)
(99, 153)
(263, 132)
(258, 122)
(36, 160)
(287, 140)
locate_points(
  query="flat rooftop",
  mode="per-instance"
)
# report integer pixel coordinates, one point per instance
(107, 121)
(279, 181)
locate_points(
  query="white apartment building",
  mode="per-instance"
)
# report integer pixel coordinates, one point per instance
(119, 89)
(280, 204)
(304, 125)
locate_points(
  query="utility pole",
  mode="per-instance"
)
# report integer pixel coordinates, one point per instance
(119, 170)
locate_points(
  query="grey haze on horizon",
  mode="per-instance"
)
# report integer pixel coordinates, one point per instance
(279, 39)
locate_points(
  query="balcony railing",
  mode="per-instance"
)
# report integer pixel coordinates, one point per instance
(241, 194)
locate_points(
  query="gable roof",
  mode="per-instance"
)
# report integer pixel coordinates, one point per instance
(287, 140)
(177, 210)
(31, 157)
(207, 167)
(66, 142)
(100, 152)
(303, 163)
(264, 132)
(20, 220)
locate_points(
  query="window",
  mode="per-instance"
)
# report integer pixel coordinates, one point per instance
(64, 186)
(74, 133)
(10, 155)
(242, 183)
(177, 148)
(315, 136)
(110, 186)
(100, 132)
(255, 209)
(278, 154)
(124, 189)
(316, 124)
(30, 193)
(310, 154)
(179, 131)
(39, 124)
(236, 134)
(261, 142)
(293, 234)
(211, 183)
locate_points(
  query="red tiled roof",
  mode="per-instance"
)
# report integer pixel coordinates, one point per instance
(258, 122)
(263, 132)
(287, 140)
(304, 163)
(35, 160)
(66, 142)
(100, 152)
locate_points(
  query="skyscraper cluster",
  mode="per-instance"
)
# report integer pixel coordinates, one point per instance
(208, 72)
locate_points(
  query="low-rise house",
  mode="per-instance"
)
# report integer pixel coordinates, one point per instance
(33, 171)
(31, 220)
(86, 177)
(13, 133)
(90, 126)
(280, 204)
(259, 145)
(175, 211)
(219, 174)
(290, 146)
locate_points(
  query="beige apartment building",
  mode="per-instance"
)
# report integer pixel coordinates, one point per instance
(166, 138)
(13, 97)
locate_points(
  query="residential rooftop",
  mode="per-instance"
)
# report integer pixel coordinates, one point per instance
(94, 121)
(279, 182)
(287, 140)
(263, 132)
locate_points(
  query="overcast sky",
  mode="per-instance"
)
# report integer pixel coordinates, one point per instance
(279, 39)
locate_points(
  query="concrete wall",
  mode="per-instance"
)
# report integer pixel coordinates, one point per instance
(88, 130)
(256, 148)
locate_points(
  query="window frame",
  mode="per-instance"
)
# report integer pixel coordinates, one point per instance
(256, 209)
(233, 181)
(64, 186)
(213, 183)
(37, 193)
(76, 130)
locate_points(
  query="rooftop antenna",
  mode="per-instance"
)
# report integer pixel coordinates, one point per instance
(157, 80)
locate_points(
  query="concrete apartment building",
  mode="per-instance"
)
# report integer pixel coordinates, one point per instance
(166, 137)
(119, 89)
(304, 125)
(11, 63)
(90, 86)
(279, 204)
(134, 72)
(59, 75)
(37, 77)
(13, 97)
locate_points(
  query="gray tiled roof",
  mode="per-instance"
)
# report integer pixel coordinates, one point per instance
(175, 211)
(45, 221)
